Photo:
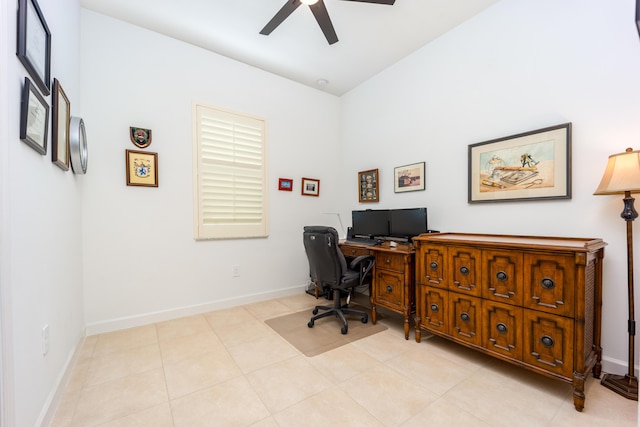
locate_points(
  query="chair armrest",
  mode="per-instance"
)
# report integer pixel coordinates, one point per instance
(364, 264)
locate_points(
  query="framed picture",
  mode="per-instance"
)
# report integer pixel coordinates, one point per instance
(142, 168)
(310, 187)
(34, 43)
(368, 186)
(60, 127)
(409, 178)
(285, 184)
(534, 165)
(34, 118)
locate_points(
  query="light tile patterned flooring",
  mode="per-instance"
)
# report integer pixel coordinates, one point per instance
(227, 368)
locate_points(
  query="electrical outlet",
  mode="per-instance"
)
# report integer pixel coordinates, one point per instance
(235, 271)
(45, 339)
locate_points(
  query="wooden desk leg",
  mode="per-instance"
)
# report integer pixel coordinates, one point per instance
(374, 313)
(416, 320)
(407, 313)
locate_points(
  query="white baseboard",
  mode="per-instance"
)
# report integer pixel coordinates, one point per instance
(175, 313)
(617, 366)
(53, 401)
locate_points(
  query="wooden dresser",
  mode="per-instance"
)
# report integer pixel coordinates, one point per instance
(532, 301)
(393, 278)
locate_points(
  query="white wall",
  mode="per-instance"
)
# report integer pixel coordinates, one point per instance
(41, 232)
(519, 66)
(141, 261)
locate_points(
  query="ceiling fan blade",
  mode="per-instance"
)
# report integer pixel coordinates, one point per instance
(322, 16)
(282, 14)
(389, 2)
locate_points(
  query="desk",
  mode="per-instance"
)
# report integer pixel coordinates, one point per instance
(393, 284)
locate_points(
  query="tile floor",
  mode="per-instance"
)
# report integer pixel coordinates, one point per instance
(227, 368)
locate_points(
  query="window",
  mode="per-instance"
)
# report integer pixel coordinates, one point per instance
(230, 174)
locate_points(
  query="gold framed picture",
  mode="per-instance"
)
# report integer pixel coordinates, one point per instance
(142, 168)
(368, 186)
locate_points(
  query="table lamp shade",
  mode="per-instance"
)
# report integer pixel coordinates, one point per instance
(622, 174)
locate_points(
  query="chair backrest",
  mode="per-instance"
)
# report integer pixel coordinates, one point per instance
(326, 262)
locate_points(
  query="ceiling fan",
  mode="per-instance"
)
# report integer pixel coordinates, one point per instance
(319, 12)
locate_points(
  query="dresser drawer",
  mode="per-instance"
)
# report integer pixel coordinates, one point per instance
(432, 304)
(430, 266)
(464, 270)
(390, 261)
(549, 283)
(465, 318)
(502, 276)
(502, 332)
(548, 342)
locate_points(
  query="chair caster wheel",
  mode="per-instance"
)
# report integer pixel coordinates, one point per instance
(365, 319)
(344, 329)
(315, 311)
(310, 324)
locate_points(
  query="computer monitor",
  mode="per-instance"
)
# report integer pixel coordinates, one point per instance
(407, 223)
(370, 223)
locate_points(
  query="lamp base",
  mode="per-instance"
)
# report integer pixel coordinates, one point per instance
(625, 386)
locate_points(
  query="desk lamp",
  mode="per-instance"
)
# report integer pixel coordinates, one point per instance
(622, 176)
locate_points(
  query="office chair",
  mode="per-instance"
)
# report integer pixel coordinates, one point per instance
(329, 271)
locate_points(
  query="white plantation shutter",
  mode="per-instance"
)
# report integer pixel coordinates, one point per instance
(230, 163)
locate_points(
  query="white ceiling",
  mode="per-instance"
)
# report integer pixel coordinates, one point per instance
(371, 36)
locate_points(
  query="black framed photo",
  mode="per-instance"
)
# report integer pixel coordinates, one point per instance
(60, 127)
(534, 165)
(638, 16)
(34, 43)
(34, 118)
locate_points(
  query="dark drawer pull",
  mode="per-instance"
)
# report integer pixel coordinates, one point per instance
(502, 328)
(434, 308)
(502, 276)
(465, 317)
(434, 265)
(389, 289)
(464, 271)
(547, 341)
(548, 283)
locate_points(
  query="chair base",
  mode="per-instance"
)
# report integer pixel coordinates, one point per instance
(338, 310)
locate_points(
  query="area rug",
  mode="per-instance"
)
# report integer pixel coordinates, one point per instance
(325, 334)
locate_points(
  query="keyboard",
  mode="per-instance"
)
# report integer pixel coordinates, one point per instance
(361, 241)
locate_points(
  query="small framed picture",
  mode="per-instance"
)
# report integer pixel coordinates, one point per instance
(310, 187)
(60, 127)
(34, 118)
(368, 186)
(409, 177)
(34, 43)
(285, 184)
(142, 168)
